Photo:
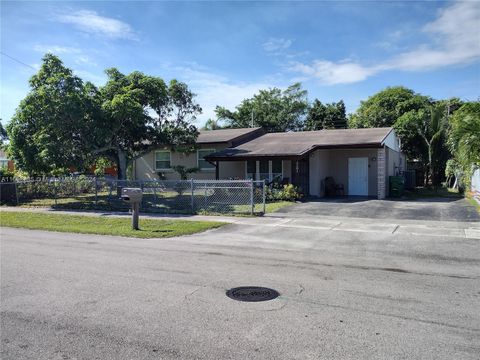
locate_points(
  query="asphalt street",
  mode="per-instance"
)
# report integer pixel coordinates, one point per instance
(347, 291)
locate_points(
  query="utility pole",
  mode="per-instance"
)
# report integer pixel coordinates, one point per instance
(251, 124)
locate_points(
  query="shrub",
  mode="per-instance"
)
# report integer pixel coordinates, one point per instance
(288, 192)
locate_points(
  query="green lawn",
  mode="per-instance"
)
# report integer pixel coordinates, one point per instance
(149, 228)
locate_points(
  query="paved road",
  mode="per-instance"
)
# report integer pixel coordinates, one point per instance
(437, 209)
(345, 294)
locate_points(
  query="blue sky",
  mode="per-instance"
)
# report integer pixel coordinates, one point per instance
(227, 51)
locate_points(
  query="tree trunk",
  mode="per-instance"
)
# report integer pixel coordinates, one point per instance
(121, 170)
(121, 164)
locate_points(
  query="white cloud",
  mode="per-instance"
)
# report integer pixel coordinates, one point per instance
(55, 49)
(90, 22)
(334, 73)
(277, 44)
(455, 41)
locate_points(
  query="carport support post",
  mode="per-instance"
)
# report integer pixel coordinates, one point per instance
(251, 197)
(192, 198)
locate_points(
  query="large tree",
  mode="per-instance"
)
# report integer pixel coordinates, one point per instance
(64, 122)
(385, 107)
(274, 109)
(326, 116)
(54, 125)
(142, 112)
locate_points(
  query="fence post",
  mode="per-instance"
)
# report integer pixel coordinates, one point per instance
(192, 199)
(264, 188)
(16, 191)
(205, 198)
(251, 197)
(96, 191)
(55, 190)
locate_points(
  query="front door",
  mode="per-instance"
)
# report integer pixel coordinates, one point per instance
(358, 176)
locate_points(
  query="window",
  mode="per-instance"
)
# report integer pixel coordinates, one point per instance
(3, 163)
(202, 163)
(264, 170)
(162, 160)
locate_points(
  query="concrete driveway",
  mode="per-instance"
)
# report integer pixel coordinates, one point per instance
(437, 209)
(348, 291)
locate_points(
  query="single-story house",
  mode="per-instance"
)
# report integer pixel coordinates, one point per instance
(360, 161)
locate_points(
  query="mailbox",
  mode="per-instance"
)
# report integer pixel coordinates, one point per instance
(132, 195)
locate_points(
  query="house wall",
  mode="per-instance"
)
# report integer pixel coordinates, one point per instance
(334, 163)
(145, 166)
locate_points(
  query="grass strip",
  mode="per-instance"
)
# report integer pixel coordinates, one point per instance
(118, 226)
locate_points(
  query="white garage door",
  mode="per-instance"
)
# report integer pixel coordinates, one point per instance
(358, 176)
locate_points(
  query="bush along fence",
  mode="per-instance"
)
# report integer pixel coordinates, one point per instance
(166, 196)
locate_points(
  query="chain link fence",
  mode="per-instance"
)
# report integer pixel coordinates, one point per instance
(166, 196)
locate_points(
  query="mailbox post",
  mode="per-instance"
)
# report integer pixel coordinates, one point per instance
(133, 196)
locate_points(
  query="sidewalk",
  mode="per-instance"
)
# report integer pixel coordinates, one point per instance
(466, 230)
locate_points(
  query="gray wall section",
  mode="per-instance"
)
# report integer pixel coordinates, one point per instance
(231, 170)
(287, 169)
(334, 163)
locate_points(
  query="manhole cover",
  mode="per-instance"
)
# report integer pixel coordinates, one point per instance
(252, 293)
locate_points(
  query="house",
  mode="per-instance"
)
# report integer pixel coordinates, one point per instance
(360, 161)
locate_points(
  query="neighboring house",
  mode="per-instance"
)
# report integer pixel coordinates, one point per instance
(6, 163)
(359, 160)
(161, 160)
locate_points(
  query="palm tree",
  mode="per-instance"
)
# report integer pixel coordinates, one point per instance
(432, 131)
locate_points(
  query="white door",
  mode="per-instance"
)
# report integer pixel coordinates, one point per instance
(358, 176)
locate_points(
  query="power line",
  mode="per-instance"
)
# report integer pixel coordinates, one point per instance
(18, 61)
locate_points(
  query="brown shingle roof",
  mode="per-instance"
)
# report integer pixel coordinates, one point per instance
(223, 135)
(302, 142)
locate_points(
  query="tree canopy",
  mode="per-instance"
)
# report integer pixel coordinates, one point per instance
(53, 125)
(64, 122)
(385, 107)
(274, 109)
(326, 116)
